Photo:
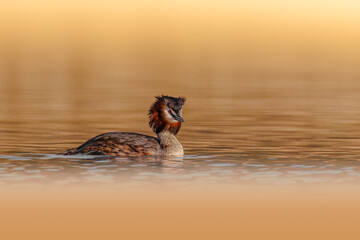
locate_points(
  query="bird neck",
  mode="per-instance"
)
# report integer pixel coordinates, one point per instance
(170, 144)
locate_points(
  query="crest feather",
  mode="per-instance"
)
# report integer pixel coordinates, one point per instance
(157, 121)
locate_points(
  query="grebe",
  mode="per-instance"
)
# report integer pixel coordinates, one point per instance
(165, 118)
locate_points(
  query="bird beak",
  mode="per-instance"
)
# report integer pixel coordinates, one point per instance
(179, 118)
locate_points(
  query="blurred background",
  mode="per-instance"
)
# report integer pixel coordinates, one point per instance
(273, 103)
(174, 43)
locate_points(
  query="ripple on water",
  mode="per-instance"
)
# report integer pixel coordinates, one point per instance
(221, 164)
(316, 172)
(302, 166)
(193, 168)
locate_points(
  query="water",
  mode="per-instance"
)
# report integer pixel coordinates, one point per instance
(183, 172)
(236, 132)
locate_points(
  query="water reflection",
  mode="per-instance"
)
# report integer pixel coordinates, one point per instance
(185, 171)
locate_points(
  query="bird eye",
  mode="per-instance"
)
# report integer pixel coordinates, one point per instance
(169, 111)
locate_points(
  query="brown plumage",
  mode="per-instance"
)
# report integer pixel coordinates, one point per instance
(158, 122)
(165, 117)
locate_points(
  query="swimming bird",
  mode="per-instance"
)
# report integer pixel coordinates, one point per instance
(165, 118)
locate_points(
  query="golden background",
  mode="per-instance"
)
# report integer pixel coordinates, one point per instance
(172, 41)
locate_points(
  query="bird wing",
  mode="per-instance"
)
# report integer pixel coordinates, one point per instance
(119, 144)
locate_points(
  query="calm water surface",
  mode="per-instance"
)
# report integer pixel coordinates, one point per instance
(236, 132)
